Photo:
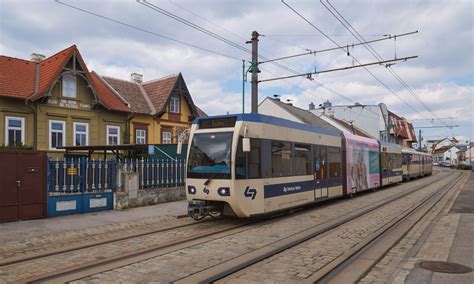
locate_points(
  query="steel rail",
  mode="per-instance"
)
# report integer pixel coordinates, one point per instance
(386, 233)
(99, 266)
(225, 269)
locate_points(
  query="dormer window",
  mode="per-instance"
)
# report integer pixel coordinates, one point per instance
(69, 86)
(174, 104)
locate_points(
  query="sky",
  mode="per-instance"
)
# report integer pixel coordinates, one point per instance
(437, 87)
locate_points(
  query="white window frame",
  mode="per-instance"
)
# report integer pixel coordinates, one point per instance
(74, 124)
(174, 102)
(50, 131)
(140, 137)
(22, 119)
(163, 137)
(65, 92)
(118, 134)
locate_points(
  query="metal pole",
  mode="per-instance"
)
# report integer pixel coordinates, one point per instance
(419, 147)
(243, 85)
(254, 70)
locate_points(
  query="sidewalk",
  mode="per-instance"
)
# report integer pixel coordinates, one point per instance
(35, 228)
(451, 241)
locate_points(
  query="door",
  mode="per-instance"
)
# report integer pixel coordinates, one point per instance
(9, 189)
(320, 172)
(22, 185)
(32, 185)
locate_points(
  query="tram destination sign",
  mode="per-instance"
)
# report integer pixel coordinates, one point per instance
(217, 122)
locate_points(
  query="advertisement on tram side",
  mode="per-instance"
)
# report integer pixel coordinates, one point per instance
(362, 163)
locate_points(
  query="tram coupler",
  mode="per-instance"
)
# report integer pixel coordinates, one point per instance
(198, 209)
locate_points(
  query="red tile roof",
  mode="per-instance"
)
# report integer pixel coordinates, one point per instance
(107, 97)
(132, 92)
(50, 68)
(401, 127)
(17, 77)
(200, 112)
(159, 90)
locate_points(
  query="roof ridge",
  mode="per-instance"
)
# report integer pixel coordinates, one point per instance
(57, 53)
(118, 79)
(111, 88)
(16, 58)
(162, 78)
(147, 99)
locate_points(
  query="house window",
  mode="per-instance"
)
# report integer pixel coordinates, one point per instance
(57, 134)
(140, 136)
(166, 137)
(113, 135)
(174, 104)
(81, 134)
(69, 86)
(14, 130)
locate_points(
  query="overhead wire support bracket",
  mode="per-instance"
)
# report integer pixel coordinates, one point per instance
(386, 37)
(309, 75)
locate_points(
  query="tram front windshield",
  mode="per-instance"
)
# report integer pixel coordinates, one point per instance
(209, 156)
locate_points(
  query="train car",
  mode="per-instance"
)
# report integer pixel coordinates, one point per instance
(361, 163)
(390, 163)
(415, 164)
(251, 164)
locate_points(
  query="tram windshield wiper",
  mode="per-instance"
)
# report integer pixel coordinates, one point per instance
(216, 173)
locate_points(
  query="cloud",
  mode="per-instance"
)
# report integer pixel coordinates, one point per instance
(444, 44)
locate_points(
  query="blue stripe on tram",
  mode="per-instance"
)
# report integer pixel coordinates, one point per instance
(281, 189)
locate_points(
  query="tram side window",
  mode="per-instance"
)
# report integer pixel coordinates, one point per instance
(385, 161)
(247, 165)
(281, 159)
(302, 159)
(334, 161)
(397, 161)
(406, 159)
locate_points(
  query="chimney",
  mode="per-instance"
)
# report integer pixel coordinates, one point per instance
(312, 106)
(276, 97)
(37, 57)
(138, 78)
(327, 104)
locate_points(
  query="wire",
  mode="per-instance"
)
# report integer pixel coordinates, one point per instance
(367, 45)
(355, 59)
(146, 31)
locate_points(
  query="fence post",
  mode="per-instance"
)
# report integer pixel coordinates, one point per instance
(93, 174)
(105, 174)
(56, 187)
(64, 175)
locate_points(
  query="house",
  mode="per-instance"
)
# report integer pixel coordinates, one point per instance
(161, 109)
(46, 102)
(375, 120)
(275, 107)
(446, 154)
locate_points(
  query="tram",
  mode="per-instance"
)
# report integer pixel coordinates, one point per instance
(251, 164)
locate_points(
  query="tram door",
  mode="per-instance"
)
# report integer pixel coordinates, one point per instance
(320, 172)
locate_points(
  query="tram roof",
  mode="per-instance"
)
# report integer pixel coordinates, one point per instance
(251, 117)
(388, 144)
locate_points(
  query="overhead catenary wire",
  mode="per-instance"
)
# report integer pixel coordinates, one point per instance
(367, 45)
(146, 31)
(388, 37)
(353, 57)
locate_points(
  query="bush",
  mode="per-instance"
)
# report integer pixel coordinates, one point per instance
(16, 147)
(464, 167)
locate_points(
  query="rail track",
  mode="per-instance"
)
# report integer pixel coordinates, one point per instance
(351, 260)
(210, 230)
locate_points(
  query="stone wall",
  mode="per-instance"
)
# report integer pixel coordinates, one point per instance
(150, 196)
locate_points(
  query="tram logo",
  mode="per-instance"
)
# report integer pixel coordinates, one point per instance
(206, 190)
(250, 192)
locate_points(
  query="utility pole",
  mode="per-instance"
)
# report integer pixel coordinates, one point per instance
(244, 79)
(254, 70)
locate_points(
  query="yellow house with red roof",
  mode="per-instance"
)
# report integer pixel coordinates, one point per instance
(161, 109)
(57, 101)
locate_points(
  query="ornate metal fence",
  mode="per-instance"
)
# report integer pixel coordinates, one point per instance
(82, 185)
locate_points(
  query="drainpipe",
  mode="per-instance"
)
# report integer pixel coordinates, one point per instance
(33, 109)
(129, 119)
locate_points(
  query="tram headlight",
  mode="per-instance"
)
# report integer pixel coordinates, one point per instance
(223, 191)
(191, 189)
